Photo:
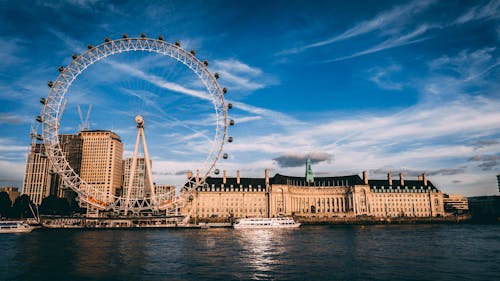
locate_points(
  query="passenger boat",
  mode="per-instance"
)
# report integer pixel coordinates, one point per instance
(15, 227)
(281, 222)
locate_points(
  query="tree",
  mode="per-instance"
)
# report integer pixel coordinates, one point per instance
(53, 205)
(5, 204)
(21, 208)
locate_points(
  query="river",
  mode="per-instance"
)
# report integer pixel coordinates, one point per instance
(377, 252)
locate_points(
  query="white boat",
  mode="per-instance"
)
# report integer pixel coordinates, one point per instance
(15, 227)
(281, 222)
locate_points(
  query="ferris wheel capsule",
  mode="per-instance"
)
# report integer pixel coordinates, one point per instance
(224, 90)
(231, 122)
(43, 101)
(225, 156)
(216, 171)
(230, 139)
(143, 35)
(106, 39)
(177, 43)
(192, 52)
(50, 84)
(125, 36)
(39, 119)
(90, 47)
(216, 75)
(61, 69)
(160, 38)
(229, 106)
(205, 63)
(74, 56)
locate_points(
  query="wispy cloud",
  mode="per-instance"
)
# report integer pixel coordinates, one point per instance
(240, 76)
(396, 16)
(381, 76)
(490, 10)
(402, 40)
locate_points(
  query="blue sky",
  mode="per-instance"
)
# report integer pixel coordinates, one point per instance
(382, 86)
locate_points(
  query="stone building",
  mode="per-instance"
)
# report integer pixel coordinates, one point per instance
(101, 164)
(37, 174)
(456, 204)
(322, 197)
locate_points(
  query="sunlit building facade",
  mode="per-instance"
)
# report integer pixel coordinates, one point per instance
(101, 164)
(322, 197)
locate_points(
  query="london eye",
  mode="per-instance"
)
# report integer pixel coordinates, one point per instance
(53, 107)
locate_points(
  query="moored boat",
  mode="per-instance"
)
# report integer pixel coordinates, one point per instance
(281, 222)
(15, 227)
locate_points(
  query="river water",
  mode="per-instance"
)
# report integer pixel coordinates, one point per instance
(388, 252)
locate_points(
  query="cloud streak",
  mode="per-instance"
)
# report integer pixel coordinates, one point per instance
(379, 22)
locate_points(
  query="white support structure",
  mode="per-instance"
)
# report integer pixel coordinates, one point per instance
(53, 106)
(149, 176)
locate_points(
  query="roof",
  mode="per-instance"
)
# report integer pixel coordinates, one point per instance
(318, 181)
(254, 182)
(410, 184)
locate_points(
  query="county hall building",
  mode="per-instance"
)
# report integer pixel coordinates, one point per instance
(322, 197)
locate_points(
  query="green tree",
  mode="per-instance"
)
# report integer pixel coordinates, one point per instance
(5, 204)
(21, 208)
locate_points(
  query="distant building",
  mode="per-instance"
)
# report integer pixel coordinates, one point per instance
(139, 189)
(101, 164)
(12, 191)
(343, 196)
(40, 180)
(37, 174)
(71, 146)
(485, 208)
(498, 180)
(455, 204)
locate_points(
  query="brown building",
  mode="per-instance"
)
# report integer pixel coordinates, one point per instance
(101, 164)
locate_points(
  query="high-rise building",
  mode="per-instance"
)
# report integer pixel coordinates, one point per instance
(101, 164)
(39, 179)
(37, 174)
(139, 183)
(71, 146)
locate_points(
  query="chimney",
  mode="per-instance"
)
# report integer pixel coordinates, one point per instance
(389, 178)
(224, 177)
(365, 177)
(267, 176)
(424, 178)
(402, 179)
(238, 177)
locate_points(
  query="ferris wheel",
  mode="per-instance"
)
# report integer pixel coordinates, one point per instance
(54, 103)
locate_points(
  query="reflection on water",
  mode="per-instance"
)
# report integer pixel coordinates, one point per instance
(262, 250)
(444, 252)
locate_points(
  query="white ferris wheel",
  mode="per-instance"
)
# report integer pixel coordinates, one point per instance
(53, 106)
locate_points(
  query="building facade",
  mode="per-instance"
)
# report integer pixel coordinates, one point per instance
(455, 204)
(139, 179)
(323, 197)
(101, 164)
(37, 174)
